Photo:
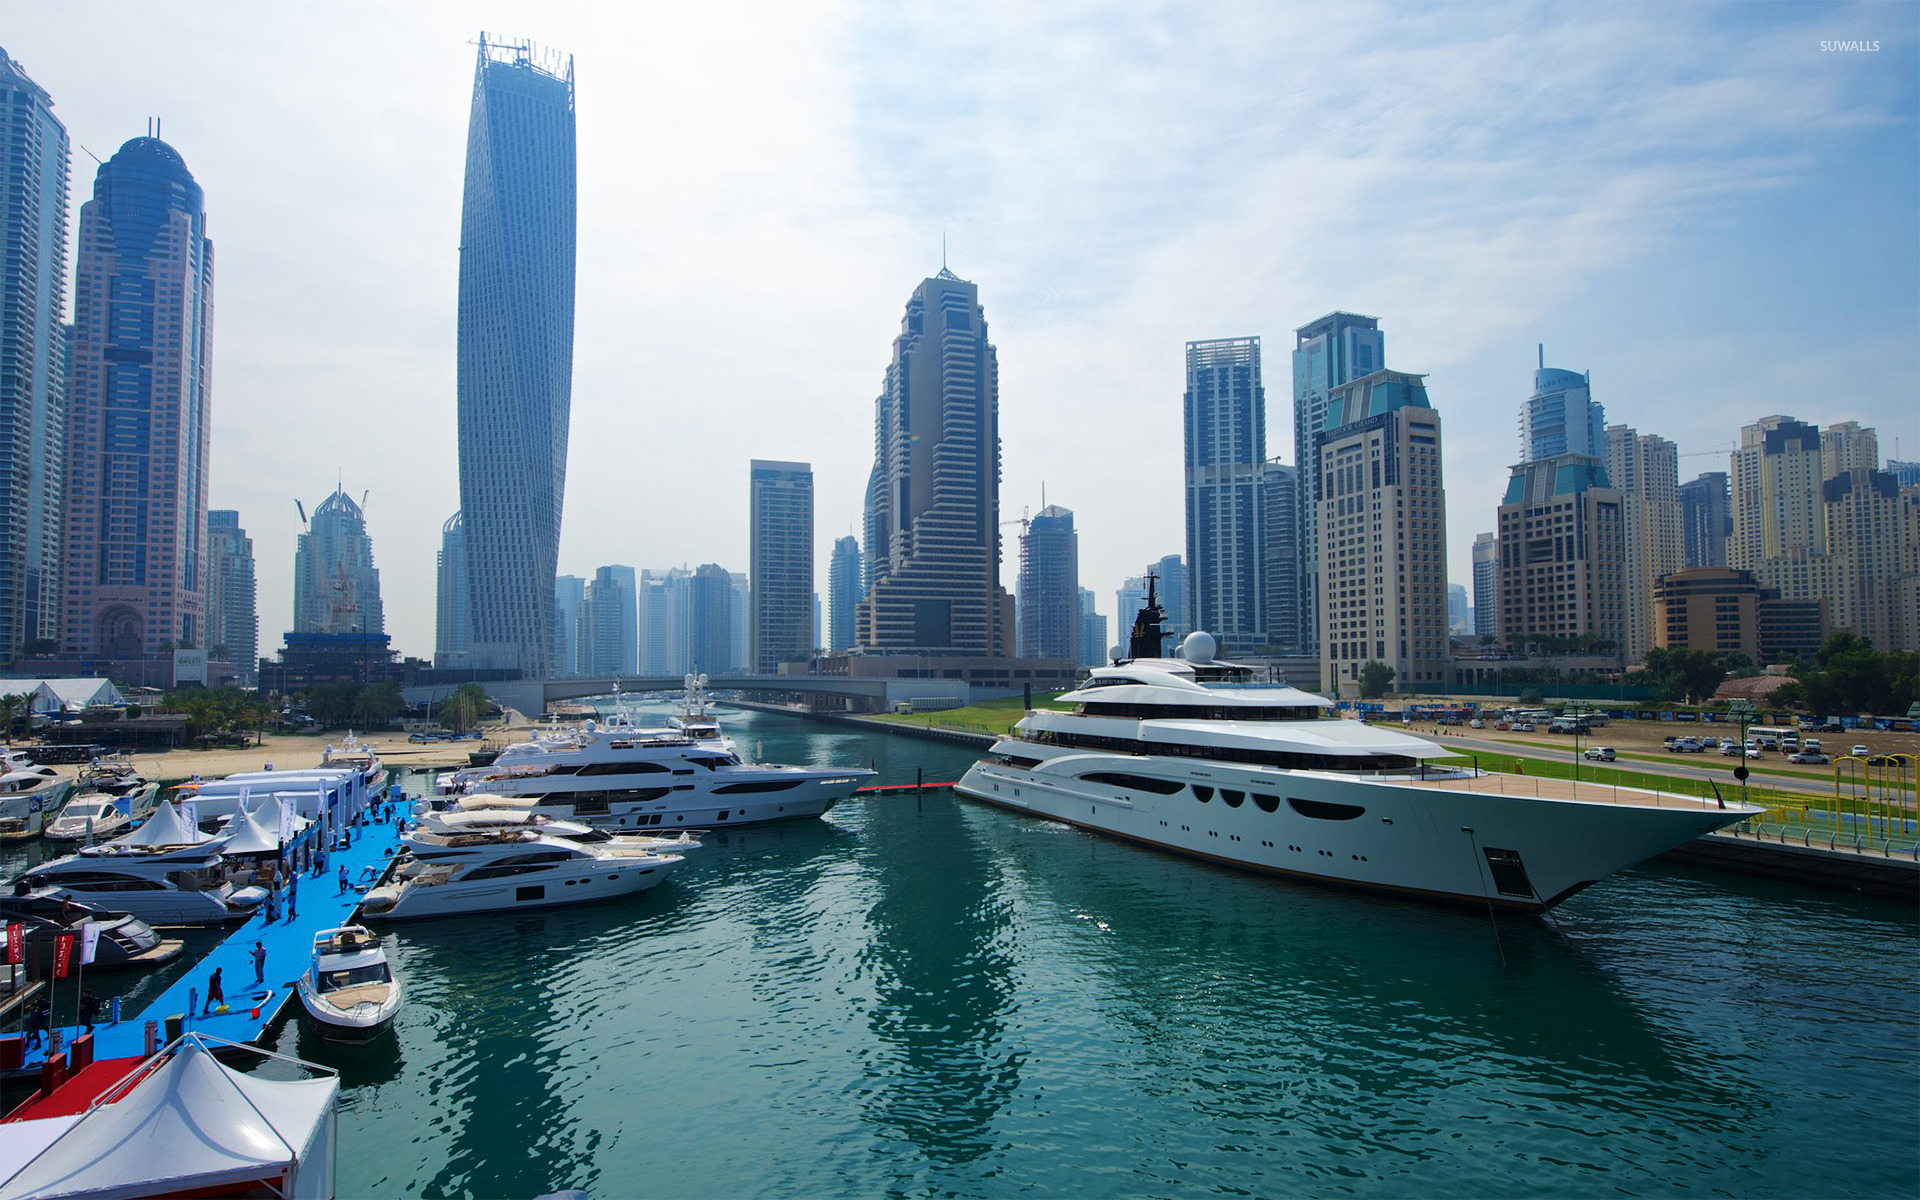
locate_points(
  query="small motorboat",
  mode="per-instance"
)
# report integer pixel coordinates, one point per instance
(89, 817)
(29, 795)
(49, 913)
(349, 991)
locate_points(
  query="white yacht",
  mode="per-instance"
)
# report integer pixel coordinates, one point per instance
(617, 775)
(356, 755)
(183, 884)
(109, 797)
(1185, 755)
(476, 873)
(349, 990)
(467, 815)
(28, 796)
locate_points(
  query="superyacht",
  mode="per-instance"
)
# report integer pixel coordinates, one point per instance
(617, 775)
(1189, 755)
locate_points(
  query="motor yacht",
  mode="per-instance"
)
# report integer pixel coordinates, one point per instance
(28, 794)
(356, 755)
(109, 797)
(165, 873)
(511, 870)
(1189, 755)
(501, 814)
(615, 774)
(49, 913)
(349, 990)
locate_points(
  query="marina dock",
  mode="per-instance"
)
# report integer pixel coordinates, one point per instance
(251, 1008)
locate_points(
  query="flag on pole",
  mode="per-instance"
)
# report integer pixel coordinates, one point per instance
(286, 822)
(16, 944)
(62, 955)
(89, 940)
(190, 813)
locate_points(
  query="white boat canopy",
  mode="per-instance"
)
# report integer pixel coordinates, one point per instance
(165, 827)
(191, 1126)
(252, 835)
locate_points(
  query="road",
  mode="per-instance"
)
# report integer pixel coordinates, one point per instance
(1691, 766)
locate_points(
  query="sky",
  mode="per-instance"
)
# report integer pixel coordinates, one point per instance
(1699, 204)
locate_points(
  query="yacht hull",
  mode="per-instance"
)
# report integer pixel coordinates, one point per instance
(1514, 852)
(569, 884)
(348, 1026)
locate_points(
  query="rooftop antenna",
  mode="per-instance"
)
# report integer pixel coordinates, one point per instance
(1543, 356)
(943, 249)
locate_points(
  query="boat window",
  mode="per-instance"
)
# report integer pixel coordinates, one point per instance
(1203, 791)
(629, 796)
(1138, 783)
(1233, 798)
(1325, 810)
(622, 768)
(762, 785)
(1266, 802)
(369, 973)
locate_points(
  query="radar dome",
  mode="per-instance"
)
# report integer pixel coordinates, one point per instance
(1198, 646)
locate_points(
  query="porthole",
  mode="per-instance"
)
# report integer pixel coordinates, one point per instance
(1204, 792)
(1266, 802)
(1233, 798)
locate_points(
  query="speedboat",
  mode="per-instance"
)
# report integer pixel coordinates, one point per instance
(50, 913)
(1190, 755)
(474, 873)
(349, 990)
(27, 795)
(89, 817)
(618, 775)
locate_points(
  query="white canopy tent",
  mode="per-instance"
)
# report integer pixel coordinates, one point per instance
(165, 827)
(190, 1126)
(254, 832)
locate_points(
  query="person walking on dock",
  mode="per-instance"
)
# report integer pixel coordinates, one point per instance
(214, 994)
(89, 1009)
(293, 895)
(273, 907)
(343, 879)
(37, 1018)
(259, 962)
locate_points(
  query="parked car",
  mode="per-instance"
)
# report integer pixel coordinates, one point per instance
(1731, 749)
(1600, 753)
(1754, 752)
(1810, 758)
(1710, 742)
(1860, 749)
(1476, 723)
(1812, 746)
(1523, 726)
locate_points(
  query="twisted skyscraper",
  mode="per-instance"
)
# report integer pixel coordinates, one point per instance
(516, 347)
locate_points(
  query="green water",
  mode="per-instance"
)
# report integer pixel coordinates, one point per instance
(919, 996)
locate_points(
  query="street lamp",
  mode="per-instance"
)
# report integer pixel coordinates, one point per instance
(1741, 710)
(1577, 712)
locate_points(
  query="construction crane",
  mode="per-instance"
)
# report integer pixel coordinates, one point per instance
(1715, 450)
(1023, 522)
(303, 511)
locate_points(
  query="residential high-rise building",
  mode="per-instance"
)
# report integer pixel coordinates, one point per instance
(1338, 348)
(1862, 510)
(1486, 585)
(1225, 423)
(1049, 592)
(1173, 595)
(33, 360)
(1848, 447)
(844, 576)
(1706, 520)
(1127, 603)
(336, 588)
(1777, 473)
(1281, 550)
(1459, 611)
(780, 563)
(515, 334)
(740, 614)
(715, 612)
(139, 411)
(1645, 469)
(570, 637)
(933, 516)
(233, 619)
(1563, 556)
(1906, 474)
(452, 627)
(1561, 417)
(608, 617)
(666, 616)
(1093, 633)
(1382, 534)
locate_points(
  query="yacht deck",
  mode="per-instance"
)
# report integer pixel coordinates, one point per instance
(1585, 791)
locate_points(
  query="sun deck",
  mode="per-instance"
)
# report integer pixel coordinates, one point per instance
(1584, 791)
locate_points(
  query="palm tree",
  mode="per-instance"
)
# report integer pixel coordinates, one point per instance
(11, 706)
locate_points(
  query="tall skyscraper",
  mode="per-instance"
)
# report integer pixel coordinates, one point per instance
(1049, 594)
(233, 618)
(570, 635)
(452, 623)
(1173, 594)
(33, 359)
(714, 614)
(1486, 585)
(1561, 417)
(336, 587)
(844, 575)
(666, 614)
(1225, 435)
(515, 378)
(1093, 633)
(1281, 550)
(1706, 520)
(139, 410)
(780, 563)
(1459, 611)
(1777, 472)
(1645, 469)
(1563, 564)
(608, 615)
(933, 518)
(1338, 348)
(1383, 534)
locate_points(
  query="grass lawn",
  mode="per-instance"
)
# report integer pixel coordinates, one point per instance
(989, 716)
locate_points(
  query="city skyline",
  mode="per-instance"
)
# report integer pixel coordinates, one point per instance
(1701, 299)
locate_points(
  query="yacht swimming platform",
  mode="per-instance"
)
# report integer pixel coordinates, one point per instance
(251, 1010)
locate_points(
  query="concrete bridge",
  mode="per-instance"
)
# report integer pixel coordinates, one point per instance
(531, 696)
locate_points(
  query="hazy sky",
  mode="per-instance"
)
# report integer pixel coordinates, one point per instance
(1697, 203)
